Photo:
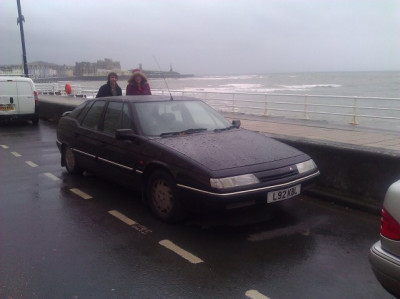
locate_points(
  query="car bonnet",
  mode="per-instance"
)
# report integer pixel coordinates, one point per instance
(229, 149)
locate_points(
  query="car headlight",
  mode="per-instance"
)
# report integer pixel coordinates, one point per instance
(306, 166)
(234, 181)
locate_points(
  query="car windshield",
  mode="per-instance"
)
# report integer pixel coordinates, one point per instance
(177, 118)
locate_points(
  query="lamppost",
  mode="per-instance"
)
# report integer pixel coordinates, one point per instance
(20, 21)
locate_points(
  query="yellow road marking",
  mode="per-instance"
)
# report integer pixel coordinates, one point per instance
(183, 253)
(31, 164)
(80, 193)
(51, 176)
(140, 228)
(122, 217)
(254, 294)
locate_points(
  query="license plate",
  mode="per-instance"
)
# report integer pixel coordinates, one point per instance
(283, 193)
(6, 107)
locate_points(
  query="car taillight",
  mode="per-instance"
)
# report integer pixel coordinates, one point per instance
(35, 94)
(390, 228)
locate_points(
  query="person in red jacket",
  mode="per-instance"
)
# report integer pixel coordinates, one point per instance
(137, 84)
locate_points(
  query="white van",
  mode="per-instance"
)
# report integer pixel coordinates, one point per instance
(18, 99)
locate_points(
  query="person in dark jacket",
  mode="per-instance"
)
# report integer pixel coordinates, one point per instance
(137, 84)
(111, 88)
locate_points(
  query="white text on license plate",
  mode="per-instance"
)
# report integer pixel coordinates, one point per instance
(283, 194)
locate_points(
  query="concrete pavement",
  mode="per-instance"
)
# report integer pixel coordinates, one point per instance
(346, 136)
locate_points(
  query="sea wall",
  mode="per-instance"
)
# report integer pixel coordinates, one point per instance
(355, 176)
(358, 177)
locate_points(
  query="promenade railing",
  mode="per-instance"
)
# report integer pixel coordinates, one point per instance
(377, 112)
(58, 88)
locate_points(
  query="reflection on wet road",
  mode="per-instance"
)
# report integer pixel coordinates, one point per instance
(64, 236)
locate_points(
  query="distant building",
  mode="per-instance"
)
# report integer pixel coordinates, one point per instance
(88, 70)
(108, 64)
(38, 69)
(96, 68)
(11, 70)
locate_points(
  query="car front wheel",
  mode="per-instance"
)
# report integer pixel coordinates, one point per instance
(70, 161)
(163, 198)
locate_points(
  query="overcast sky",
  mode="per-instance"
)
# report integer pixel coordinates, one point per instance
(208, 36)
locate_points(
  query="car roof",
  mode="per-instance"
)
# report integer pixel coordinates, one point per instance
(14, 78)
(149, 98)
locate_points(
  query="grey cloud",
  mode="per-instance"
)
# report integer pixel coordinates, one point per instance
(209, 37)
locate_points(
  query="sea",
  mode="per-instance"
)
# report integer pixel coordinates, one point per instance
(375, 94)
(361, 84)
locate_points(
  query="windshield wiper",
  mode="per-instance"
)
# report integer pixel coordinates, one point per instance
(224, 129)
(185, 132)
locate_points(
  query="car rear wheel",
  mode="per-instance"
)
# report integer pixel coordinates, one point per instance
(70, 161)
(163, 198)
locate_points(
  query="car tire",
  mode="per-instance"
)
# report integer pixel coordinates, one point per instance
(163, 198)
(70, 161)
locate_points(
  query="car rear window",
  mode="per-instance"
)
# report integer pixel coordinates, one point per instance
(75, 113)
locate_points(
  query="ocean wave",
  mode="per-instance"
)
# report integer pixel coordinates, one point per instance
(309, 86)
(229, 89)
(242, 85)
(231, 77)
(259, 88)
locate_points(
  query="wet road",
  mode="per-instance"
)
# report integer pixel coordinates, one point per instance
(63, 236)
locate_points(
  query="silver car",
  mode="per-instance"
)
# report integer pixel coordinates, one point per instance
(385, 254)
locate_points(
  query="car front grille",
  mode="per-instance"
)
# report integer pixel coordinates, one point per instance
(277, 174)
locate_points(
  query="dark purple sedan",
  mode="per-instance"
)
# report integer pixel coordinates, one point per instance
(181, 154)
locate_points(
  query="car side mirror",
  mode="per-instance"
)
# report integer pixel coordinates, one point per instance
(236, 123)
(125, 134)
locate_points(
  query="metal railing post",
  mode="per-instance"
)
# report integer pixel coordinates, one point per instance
(306, 107)
(354, 121)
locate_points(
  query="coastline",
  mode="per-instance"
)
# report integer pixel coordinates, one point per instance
(149, 74)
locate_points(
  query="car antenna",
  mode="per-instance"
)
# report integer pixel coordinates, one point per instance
(165, 81)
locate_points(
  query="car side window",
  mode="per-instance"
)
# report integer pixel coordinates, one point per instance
(126, 122)
(116, 117)
(91, 120)
(112, 118)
